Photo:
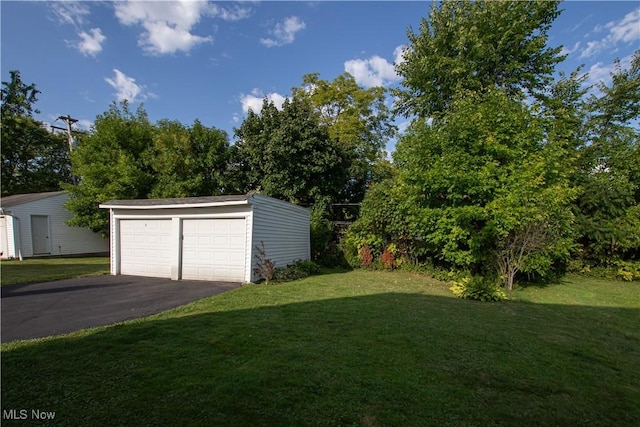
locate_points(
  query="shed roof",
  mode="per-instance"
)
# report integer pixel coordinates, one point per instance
(21, 199)
(180, 202)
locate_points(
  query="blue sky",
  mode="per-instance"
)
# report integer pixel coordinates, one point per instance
(212, 61)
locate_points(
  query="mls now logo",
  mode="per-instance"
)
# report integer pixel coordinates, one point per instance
(24, 414)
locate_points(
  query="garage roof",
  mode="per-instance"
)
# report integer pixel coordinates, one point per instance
(21, 199)
(180, 202)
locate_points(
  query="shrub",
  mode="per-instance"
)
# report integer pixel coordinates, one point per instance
(266, 267)
(478, 288)
(289, 274)
(366, 256)
(628, 270)
(308, 267)
(388, 259)
(298, 270)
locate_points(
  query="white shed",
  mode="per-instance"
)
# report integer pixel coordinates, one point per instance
(34, 225)
(205, 238)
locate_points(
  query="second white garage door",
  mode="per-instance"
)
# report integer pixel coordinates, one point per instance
(214, 249)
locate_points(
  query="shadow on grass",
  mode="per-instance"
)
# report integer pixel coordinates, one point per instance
(386, 359)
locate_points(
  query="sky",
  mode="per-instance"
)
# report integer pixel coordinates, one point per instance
(212, 61)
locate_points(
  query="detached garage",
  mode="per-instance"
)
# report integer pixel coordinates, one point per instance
(205, 238)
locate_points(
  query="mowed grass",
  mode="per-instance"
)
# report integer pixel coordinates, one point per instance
(348, 349)
(35, 270)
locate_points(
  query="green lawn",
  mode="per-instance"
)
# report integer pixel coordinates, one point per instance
(34, 270)
(348, 349)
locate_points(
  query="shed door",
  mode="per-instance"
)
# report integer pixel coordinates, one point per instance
(40, 234)
(146, 248)
(214, 249)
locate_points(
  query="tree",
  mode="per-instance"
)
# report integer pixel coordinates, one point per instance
(483, 189)
(359, 121)
(113, 162)
(477, 46)
(188, 161)
(608, 209)
(289, 154)
(33, 159)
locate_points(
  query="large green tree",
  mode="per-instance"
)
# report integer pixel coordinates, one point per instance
(476, 46)
(483, 176)
(608, 209)
(33, 159)
(357, 119)
(113, 162)
(289, 154)
(189, 160)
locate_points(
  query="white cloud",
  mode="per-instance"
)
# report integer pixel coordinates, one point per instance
(67, 12)
(167, 25)
(91, 44)
(567, 51)
(126, 87)
(626, 30)
(284, 32)
(253, 101)
(375, 71)
(599, 72)
(84, 124)
(229, 14)
(398, 54)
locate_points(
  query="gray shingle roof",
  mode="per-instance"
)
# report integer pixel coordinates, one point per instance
(21, 199)
(177, 201)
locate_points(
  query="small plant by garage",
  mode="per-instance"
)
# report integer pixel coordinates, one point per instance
(266, 267)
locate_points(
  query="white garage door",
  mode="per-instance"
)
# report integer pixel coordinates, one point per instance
(146, 248)
(214, 249)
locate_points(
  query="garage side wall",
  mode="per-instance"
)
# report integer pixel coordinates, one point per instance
(284, 229)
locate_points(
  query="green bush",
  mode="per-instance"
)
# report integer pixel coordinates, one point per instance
(288, 274)
(308, 267)
(478, 288)
(298, 270)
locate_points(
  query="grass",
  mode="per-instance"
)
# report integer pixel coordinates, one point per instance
(35, 270)
(347, 349)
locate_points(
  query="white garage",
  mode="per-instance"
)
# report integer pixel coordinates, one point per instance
(205, 238)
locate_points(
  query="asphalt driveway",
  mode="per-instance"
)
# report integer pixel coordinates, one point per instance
(53, 308)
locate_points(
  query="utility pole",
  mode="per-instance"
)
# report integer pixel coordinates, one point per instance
(68, 121)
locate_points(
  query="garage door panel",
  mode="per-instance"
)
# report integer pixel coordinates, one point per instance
(214, 249)
(146, 248)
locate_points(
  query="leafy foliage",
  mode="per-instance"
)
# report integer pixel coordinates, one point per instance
(125, 156)
(266, 267)
(388, 258)
(113, 163)
(289, 154)
(188, 161)
(360, 123)
(478, 288)
(366, 256)
(298, 270)
(33, 159)
(467, 46)
(608, 209)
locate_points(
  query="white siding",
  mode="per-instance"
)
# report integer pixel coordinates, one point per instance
(65, 240)
(284, 229)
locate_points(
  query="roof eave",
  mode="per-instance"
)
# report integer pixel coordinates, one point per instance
(176, 206)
